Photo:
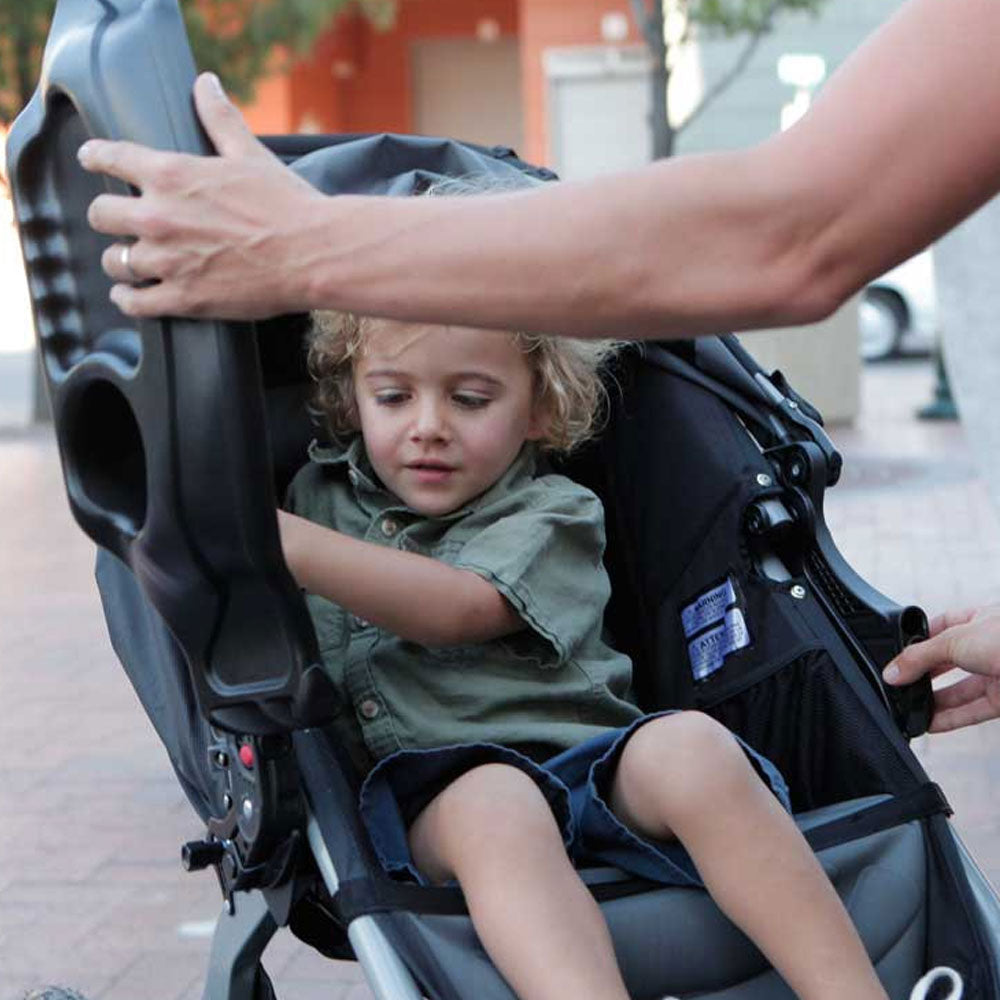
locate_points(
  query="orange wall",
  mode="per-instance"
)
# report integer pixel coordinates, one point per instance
(372, 89)
(358, 79)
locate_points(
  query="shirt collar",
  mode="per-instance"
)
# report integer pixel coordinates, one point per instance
(367, 485)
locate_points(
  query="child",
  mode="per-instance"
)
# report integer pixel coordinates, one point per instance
(458, 595)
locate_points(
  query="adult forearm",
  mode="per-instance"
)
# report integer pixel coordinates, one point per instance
(903, 143)
(409, 595)
(681, 247)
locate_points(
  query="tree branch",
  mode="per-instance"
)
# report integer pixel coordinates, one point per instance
(738, 66)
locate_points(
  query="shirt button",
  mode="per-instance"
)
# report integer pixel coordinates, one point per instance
(389, 527)
(369, 708)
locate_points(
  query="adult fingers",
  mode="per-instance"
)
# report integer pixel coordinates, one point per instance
(129, 262)
(960, 693)
(147, 300)
(964, 715)
(932, 656)
(115, 215)
(223, 122)
(128, 161)
(958, 616)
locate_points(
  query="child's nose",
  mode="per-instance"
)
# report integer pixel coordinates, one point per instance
(431, 422)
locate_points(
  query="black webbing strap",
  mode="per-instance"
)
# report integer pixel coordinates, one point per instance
(361, 896)
(358, 897)
(923, 801)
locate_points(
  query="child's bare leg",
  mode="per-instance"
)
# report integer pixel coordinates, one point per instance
(493, 831)
(685, 775)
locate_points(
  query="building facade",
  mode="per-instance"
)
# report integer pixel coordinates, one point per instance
(471, 69)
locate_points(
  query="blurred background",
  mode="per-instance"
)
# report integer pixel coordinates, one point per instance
(91, 817)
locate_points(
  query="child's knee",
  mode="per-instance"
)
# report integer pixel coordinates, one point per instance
(688, 755)
(494, 804)
(493, 795)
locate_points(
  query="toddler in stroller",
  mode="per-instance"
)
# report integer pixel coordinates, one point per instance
(458, 594)
(176, 436)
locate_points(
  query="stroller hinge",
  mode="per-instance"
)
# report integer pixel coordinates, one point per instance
(254, 841)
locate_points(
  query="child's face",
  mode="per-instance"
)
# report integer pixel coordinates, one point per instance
(444, 410)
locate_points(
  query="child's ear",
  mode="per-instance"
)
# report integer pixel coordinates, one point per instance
(541, 421)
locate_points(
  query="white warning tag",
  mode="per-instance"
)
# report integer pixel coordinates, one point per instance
(709, 650)
(708, 608)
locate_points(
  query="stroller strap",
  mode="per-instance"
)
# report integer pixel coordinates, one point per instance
(365, 895)
(918, 803)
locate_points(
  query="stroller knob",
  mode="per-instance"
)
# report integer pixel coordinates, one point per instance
(199, 854)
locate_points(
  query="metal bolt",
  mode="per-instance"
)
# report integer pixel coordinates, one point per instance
(222, 759)
(227, 801)
(795, 472)
(792, 405)
(798, 592)
(247, 808)
(763, 479)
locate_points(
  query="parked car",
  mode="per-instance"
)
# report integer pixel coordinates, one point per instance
(898, 312)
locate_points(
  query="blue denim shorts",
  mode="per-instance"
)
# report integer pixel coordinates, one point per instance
(575, 783)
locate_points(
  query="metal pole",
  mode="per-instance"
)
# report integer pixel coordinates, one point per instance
(942, 406)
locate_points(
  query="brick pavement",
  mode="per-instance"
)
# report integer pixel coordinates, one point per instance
(91, 893)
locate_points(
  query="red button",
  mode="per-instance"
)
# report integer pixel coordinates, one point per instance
(246, 755)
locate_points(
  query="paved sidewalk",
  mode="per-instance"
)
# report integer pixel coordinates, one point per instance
(91, 892)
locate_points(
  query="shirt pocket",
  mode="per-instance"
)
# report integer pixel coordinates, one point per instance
(470, 654)
(529, 650)
(521, 651)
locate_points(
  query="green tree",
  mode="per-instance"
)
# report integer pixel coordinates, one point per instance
(753, 19)
(239, 39)
(236, 38)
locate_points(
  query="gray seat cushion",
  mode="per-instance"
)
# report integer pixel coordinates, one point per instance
(676, 941)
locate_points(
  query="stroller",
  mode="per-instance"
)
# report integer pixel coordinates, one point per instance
(177, 436)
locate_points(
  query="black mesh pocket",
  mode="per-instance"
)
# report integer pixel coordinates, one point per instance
(809, 722)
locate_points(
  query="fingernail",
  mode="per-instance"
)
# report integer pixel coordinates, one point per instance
(891, 674)
(85, 153)
(118, 296)
(216, 83)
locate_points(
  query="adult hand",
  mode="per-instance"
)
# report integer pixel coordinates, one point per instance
(965, 640)
(213, 235)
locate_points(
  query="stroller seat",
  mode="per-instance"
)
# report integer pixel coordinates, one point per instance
(881, 879)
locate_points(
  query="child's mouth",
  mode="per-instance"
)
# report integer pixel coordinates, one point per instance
(431, 472)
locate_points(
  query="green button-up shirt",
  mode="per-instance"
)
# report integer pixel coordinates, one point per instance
(539, 540)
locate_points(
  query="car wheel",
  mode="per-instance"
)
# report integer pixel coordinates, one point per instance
(881, 323)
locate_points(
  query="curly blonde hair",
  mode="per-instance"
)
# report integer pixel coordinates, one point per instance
(567, 374)
(567, 371)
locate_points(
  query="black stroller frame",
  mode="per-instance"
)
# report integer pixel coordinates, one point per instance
(176, 438)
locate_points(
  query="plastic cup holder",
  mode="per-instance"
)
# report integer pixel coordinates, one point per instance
(104, 455)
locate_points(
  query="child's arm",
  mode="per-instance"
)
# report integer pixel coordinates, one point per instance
(410, 595)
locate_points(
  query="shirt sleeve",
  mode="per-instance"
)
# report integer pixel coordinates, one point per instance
(545, 557)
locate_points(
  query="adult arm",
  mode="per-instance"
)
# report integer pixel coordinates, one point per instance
(903, 143)
(410, 595)
(964, 640)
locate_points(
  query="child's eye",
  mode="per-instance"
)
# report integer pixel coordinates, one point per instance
(471, 400)
(391, 397)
